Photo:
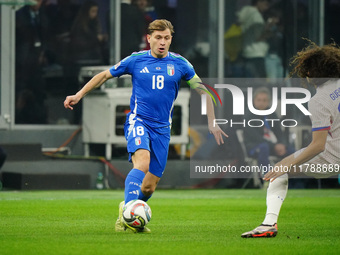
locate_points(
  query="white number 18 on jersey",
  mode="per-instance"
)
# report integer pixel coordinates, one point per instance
(157, 81)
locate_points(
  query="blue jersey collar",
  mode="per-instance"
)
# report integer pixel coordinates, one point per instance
(149, 53)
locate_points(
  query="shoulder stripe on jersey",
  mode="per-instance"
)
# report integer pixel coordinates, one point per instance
(321, 128)
(174, 55)
(177, 56)
(143, 52)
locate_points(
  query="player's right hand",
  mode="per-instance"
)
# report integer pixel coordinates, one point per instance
(70, 101)
(218, 134)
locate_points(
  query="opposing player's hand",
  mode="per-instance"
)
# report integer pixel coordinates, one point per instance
(278, 170)
(70, 101)
(217, 132)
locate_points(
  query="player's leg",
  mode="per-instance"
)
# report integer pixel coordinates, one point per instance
(138, 146)
(276, 194)
(133, 182)
(277, 191)
(138, 178)
(159, 147)
(148, 186)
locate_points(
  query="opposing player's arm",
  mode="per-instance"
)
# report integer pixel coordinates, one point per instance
(214, 129)
(94, 83)
(314, 148)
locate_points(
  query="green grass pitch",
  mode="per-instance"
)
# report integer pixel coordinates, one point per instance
(183, 222)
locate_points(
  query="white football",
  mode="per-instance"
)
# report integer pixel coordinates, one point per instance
(137, 213)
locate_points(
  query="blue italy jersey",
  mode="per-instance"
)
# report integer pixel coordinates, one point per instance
(155, 84)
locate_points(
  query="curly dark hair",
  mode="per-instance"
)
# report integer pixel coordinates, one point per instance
(321, 62)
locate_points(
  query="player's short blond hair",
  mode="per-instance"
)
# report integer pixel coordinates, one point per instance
(160, 25)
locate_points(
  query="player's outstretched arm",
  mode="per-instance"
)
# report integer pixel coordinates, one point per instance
(95, 82)
(289, 163)
(214, 129)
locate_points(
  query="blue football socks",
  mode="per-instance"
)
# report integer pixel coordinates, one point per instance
(143, 197)
(133, 184)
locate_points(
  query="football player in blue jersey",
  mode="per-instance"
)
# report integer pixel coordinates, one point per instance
(156, 76)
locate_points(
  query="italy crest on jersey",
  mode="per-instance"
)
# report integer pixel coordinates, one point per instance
(171, 69)
(138, 141)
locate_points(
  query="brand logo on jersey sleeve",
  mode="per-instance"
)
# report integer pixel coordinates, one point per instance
(171, 69)
(117, 65)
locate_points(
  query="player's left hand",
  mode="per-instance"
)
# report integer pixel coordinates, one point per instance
(278, 170)
(217, 132)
